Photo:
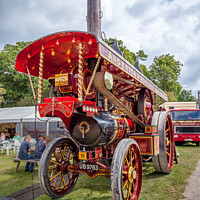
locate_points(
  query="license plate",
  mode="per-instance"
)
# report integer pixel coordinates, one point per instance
(61, 79)
(82, 155)
(188, 140)
(89, 166)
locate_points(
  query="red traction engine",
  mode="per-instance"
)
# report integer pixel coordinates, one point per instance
(107, 106)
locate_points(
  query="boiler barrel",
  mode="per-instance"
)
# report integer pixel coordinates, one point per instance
(96, 131)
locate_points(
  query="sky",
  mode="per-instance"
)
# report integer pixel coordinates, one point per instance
(156, 26)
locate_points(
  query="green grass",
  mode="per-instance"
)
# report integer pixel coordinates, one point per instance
(154, 186)
(171, 186)
(10, 181)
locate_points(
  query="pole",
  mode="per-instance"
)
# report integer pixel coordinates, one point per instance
(94, 16)
(199, 98)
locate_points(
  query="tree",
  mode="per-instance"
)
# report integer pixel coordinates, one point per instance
(186, 95)
(141, 55)
(145, 71)
(2, 93)
(128, 55)
(15, 84)
(164, 72)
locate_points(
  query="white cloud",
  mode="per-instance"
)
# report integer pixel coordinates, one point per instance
(157, 26)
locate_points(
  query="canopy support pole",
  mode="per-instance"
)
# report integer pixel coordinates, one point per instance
(40, 84)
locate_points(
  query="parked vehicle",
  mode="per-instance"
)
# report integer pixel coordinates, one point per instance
(186, 125)
(178, 105)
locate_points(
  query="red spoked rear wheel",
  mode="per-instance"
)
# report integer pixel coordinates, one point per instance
(145, 105)
(163, 162)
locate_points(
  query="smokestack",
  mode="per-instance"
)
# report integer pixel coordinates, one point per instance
(94, 15)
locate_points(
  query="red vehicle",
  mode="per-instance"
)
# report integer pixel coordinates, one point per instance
(186, 125)
(106, 104)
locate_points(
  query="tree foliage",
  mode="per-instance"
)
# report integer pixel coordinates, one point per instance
(186, 95)
(15, 88)
(128, 55)
(165, 71)
(15, 84)
(2, 93)
(145, 70)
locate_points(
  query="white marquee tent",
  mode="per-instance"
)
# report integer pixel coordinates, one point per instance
(22, 115)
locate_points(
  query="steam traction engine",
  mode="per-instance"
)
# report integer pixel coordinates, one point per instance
(108, 107)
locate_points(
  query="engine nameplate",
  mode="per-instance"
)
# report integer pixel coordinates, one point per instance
(61, 79)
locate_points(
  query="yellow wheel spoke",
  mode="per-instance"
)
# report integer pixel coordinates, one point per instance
(52, 169)
(127, 161)
(52, 161)
(69, 177)
(71, 157)
(68, 154)
(167, 153)
(64, 180)
(129, 188)
(128, 192)
(54, 185)
(56, 156)
(61, 153)
(61, 181)
(125, 184)
(166, 130)
(64, 150)
(131, 158)
(125, 172)
(55, 176)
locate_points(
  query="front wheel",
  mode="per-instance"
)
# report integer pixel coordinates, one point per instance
(126, 171)
(54, 177)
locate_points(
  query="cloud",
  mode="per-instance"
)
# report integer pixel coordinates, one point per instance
(140, 8)
(28, 20)
(191, 72)
(157, 27)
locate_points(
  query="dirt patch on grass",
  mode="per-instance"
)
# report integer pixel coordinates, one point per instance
(192, 191)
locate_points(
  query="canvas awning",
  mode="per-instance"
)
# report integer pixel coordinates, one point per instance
(22, 114)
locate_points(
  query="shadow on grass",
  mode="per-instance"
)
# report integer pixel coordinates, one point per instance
(99, 183)
(12, 181)
(88, 189)
(149, 172)
(187, 144)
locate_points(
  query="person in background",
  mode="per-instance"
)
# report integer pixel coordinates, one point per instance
(16, 137)
(7, 136)
(3, 137)
(41, 145)
(23, 153)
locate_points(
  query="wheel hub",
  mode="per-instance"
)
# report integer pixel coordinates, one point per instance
(131, 174)
(63, 167)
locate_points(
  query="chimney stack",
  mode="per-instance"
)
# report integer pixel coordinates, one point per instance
(94, 15)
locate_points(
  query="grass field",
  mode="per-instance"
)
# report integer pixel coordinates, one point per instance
(154, 186)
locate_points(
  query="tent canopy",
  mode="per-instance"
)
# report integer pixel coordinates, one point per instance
(22, 114)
